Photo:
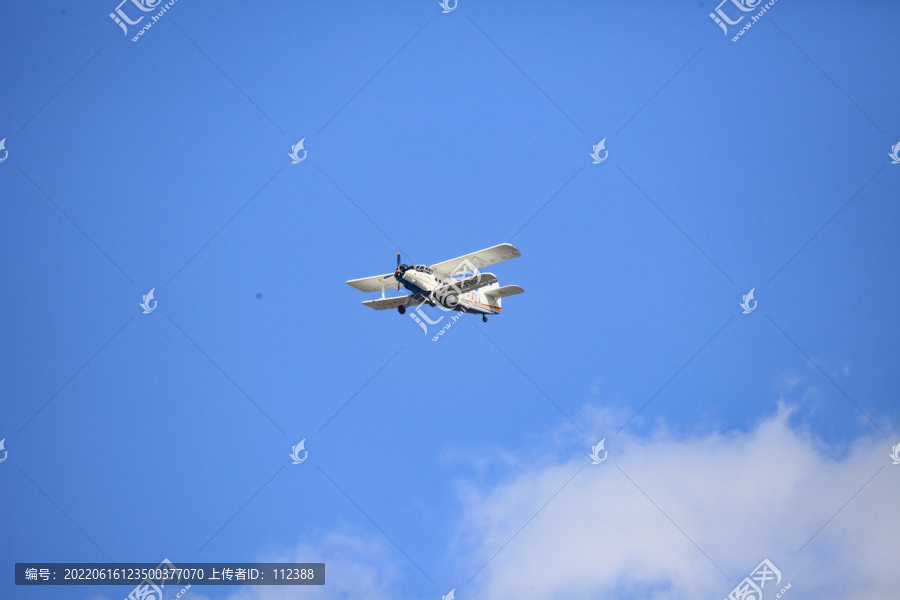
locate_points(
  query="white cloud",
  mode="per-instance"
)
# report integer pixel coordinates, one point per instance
(740, 497)
(356, 567)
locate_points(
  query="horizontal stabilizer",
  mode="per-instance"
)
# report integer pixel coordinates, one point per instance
(506, 290)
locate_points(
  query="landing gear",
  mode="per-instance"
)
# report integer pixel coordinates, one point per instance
(484, 318)
(401, 309)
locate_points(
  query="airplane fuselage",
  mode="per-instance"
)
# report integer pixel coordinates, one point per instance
(425, 287)
(460, 284)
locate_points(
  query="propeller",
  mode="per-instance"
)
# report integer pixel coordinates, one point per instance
(398, 273)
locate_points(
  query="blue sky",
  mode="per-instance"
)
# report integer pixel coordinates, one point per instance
(163, 163)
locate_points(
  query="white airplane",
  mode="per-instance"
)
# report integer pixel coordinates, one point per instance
(445, 283)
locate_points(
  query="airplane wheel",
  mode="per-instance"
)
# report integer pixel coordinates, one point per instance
(401, 309)
(484, 318)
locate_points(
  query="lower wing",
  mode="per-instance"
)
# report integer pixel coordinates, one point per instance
(467, 285)
(388, 303)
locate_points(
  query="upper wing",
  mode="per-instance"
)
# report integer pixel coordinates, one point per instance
(476, 260)
(387, 303)
(467, 285)
(374, 284)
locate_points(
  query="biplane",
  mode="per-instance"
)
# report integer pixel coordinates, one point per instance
(457, 284)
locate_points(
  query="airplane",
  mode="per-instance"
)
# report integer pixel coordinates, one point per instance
(479, 293)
